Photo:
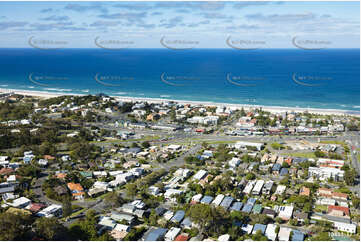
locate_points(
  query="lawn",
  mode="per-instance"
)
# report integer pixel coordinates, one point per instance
(301, 154)
(336, 142)
(320, 208)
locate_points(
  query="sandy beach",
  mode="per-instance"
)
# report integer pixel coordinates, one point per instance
(272, 109)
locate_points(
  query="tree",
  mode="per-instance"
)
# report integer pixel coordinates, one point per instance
(258, 236)
(146, 144)
(49, 228)
(250, 176)
(67, 209)
(350, 176)
(209, 218)
(131, 189)
(356, 202)
(293, 222)
(113, 200)
(13, 226)
(322, 236)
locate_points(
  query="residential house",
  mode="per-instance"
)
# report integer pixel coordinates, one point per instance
(77, 190)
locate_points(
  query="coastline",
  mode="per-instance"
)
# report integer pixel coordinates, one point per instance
(272, 109)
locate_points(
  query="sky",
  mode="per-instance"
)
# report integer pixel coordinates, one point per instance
(118, 25)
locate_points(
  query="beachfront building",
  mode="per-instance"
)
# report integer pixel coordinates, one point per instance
(324, 173)
(243, 144)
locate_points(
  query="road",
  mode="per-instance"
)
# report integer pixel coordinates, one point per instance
(37, 188)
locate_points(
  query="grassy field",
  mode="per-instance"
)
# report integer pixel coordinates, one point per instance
(320, 208)
(301, 154)
(336, 142)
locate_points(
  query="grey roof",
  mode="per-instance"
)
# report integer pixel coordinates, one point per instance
(207, 199)
(276, 167)
(299, 160)
(251, 200)
(226, 202)
(160, 211)
(236, 206)
(284, 171)
(261, 227)
(247, 208)
(121, 216)
(5, 189)
(133, 150)
(187, 222)
(155, 234)
(297, 235)
(268, 211)
(178, 216)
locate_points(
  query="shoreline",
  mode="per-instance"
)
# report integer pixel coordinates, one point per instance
(272, 109)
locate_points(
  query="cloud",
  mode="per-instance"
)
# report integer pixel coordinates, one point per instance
(128, 16)
(8, 25)
(193, 25)
(240, 5)
(81, 8)
(133, 6)
(286, 18)
(56, 18)
(216, 16)
(104, 24)
(156, 13)
(146, 26)
(173, 22)
(205, 6)
(52, 26)
(46, 10)
(243, 26)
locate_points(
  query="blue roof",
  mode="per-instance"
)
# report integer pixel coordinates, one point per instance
(236, 206)
(251, 200)
(297, 235)
(276, 167)
(284, 171)
(226, 202)
(207, 199)
(187, 222)
(261, 227)
(178, 216)
(237, 223)
(247, 208)
(156, 234)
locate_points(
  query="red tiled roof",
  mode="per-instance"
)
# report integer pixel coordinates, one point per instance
(35, 207)
(340, 194)
(181, 237)
(339, 208)
(5, 171)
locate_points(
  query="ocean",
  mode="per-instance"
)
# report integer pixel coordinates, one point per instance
(326, 79)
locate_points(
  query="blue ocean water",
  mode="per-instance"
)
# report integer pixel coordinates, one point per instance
(278, 77)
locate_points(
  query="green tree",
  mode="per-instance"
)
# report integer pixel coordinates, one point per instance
(13, 226)
(67, 209)
(49, 228)
(113, 200)
(131, 189)
(146, 144)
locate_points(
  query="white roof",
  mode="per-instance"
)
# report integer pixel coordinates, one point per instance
(280, 189)
(271, 231)
(200, 174)
(172, 233)
(20, 201)
(224, 237)
(285, 211)
(197, 197)
(121, 227)
(284, 234)
(218, 199)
